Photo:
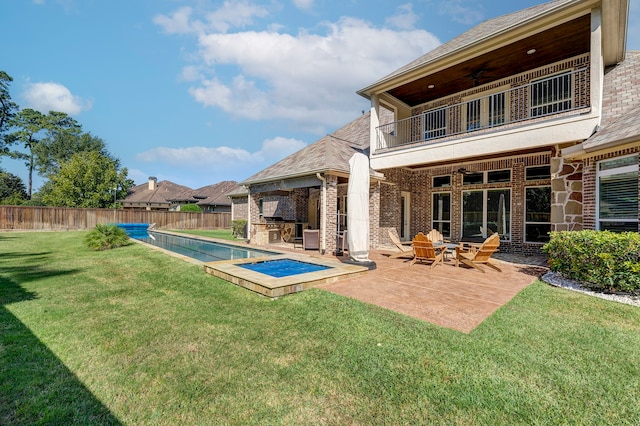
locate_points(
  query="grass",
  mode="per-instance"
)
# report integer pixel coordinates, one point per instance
(133, 336)
(223, 234)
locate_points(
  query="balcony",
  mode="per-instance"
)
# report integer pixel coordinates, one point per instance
(563, 93)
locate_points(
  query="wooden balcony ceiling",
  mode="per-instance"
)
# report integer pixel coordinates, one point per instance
(553, 45)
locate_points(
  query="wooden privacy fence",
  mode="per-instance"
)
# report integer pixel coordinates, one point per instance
(62, 218)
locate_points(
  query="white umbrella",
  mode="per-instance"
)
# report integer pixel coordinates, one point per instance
(358, 212)
(502, 216)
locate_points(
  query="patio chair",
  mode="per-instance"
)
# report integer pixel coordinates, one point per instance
(425, 252)
(405, 248)
(479, 255)
(436, 237)
(311, 239)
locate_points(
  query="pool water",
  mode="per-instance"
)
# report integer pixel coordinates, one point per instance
(205, 251)
(279, 268)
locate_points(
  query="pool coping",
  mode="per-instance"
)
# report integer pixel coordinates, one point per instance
(231, 271)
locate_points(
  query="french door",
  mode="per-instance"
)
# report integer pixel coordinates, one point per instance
(485, 212)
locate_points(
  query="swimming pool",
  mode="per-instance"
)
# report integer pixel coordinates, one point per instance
(204, 251)
(279, 268)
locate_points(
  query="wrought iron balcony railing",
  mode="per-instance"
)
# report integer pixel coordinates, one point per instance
(557, 94)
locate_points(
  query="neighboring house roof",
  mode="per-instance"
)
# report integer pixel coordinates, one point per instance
(480, 32)
(216, 194)
(240, 191)
(164, 192)
(620, 105)
(331, 153)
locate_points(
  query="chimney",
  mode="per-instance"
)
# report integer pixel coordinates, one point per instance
(152, 183)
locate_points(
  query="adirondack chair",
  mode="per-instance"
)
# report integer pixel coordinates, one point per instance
(425, 252)
(435, 236)
(476, 256)
(405, 249)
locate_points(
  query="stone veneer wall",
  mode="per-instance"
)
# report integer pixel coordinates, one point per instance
(566, 195)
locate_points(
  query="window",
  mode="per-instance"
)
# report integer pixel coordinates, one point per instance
(488, 111)
(260, 206)
(499, 176)
(486, 212)
(441, 213)
(342, 212)
(551, 95)
(435, 123)
(538, 173)
(537, 221)
(617, 194)
(473, 178)
(441, 181)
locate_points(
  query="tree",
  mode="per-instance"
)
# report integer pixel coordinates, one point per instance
(51, 153)
(12, 189)
(88, 180)
(31, 127)
(7, 109)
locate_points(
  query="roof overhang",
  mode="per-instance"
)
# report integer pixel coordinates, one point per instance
(549, 22)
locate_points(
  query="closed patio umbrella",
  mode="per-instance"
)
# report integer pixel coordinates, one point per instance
(358, 212)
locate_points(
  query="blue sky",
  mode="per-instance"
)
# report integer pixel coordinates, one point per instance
(200, 91)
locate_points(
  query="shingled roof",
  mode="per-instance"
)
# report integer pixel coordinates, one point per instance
(620, 105)
(162, 194)
(330, 154)
(216, 194)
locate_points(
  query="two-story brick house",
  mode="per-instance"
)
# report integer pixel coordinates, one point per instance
(524, 124)
(527, 123)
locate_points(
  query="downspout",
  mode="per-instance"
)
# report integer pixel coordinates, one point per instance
(323, 213)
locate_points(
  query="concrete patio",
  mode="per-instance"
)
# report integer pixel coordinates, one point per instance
(457, 298)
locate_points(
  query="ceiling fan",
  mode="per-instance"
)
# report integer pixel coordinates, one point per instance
(478, 74)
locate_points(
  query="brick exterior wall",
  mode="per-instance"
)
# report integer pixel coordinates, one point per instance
(239, 208)
(419, 185)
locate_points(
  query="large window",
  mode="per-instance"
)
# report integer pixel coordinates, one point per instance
(435, 123)
(486, 212)
(441, 213)
(537, 221)
(617, 194)
(551, 95)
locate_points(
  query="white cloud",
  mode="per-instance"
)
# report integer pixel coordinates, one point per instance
(307, 79)
(461, 13)
(232, 14)
(303, 4)
(405, 19)
(46, 97)
(223, 156)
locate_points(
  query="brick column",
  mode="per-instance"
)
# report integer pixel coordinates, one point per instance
(332, 215)
(374, 215)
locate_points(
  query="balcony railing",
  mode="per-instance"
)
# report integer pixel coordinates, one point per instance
(558, 94)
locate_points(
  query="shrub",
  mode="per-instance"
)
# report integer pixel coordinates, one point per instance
(239, 228)
(104, 237)
(601, 260)
(191, 208)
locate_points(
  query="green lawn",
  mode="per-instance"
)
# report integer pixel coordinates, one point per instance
(134, 336)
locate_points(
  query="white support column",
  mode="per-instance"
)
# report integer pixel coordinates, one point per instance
(597, 63)
(374, 123)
